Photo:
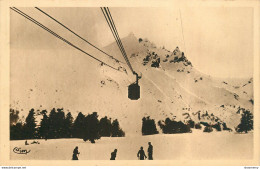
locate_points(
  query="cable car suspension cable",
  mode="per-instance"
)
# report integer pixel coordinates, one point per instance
(113, 33)
(117, 41)
(56, 35)
(74, 32)
(113, 25)
(113, 29)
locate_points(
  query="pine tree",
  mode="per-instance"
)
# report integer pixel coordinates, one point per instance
(91, 127)
(68, 125)
(56, 123)
(116, 130)
(44, 125)
(52, 128)
(191, 123)
(78, 126)
(217, 126)
(14, 116)
(246, 123)
(197, 126)
(148, 126)
(60, 123)
(30, 125)
(17, 132)
(16, 128)
(105, 127)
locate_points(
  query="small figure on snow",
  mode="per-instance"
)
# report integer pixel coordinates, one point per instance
(35, 142)
(150, 151)
(75, 154)
(141, 155)
(26, 143)
(113, 155)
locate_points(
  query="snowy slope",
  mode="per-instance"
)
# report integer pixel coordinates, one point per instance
(175, 88)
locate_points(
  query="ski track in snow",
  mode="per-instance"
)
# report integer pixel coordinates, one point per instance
(186, 90)
(158, 88)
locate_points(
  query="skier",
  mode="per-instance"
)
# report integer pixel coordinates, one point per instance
(150, 151)
(75, 154)
(113, 155)
(26, 142)
(141, 154)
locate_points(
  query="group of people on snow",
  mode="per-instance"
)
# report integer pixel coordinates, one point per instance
(141, 154)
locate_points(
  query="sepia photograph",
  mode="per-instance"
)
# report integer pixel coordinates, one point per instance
(131, 83)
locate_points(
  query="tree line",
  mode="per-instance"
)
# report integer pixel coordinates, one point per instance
(58, 125)
(170, 126)
(89, 127)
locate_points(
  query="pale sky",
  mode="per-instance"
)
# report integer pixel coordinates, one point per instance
(218, 41)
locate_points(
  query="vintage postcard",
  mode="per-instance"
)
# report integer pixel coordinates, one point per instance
(130, 83)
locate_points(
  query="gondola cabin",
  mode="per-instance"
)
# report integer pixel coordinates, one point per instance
(134, 91)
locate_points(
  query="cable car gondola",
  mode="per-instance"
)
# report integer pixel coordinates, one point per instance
(134, 89)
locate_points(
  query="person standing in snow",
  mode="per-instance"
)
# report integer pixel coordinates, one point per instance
(150, 151)
(141, 155)
(75, 154)
(113, 155)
